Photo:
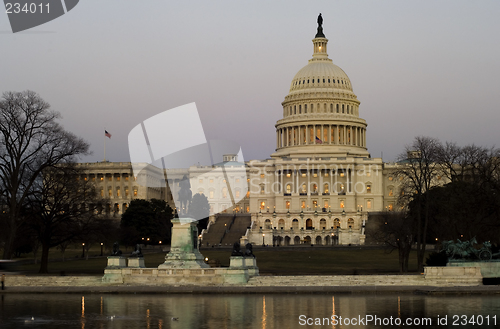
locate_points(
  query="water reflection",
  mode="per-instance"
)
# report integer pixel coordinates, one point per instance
(233, 311)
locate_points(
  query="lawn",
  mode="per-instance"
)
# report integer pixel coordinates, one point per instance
(271, 261)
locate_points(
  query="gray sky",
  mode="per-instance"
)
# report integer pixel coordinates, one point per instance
(418, 67)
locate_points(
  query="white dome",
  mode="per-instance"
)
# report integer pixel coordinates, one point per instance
(319, 74)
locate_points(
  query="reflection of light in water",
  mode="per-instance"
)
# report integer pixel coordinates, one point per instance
(160, 324)
(264, 315)
(101, 305)
(333, 311)
(399, 307)
(148, 320)
(83, 312)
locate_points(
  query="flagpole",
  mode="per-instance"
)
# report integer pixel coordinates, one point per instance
(104, 146)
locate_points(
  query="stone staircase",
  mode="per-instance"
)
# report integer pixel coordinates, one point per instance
(237, 230)
(217, 230)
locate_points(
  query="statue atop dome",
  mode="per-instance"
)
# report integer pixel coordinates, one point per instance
(320, 34)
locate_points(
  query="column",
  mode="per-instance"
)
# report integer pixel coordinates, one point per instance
(281, 181)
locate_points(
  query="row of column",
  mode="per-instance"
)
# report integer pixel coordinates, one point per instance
(321, 134)
(295, 175)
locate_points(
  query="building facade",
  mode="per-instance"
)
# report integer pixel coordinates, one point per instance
(319, 185)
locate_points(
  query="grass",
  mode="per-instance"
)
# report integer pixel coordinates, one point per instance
(271, 261)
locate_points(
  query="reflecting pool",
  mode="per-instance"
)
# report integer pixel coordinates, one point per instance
(247, 311)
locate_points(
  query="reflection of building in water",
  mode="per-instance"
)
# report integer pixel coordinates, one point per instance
(317, 188)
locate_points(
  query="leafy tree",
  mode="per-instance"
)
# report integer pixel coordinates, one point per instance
(146, 219)
(30, 142)
(200, 209)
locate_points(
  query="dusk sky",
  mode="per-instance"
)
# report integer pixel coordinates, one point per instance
(427, 68)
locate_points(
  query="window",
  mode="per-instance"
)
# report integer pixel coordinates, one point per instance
(342, 174)
(368, 189)
(288, 175)
(224, 192)
(135, 192)
(325, 204)
(248, 194)
(126, 192)
(201, 181)
(262, 189)
(336, 223)
(237, 180)
(303, 204)
(126, 178)
(262, 205)
(304, 188)
(390, 178)
(102, 178)
(368, 204)
(322, 223)
(211, 181)
(288, 189)
(315, 175)
(391, 192)
(287, 204)
(110, 178)
(303, 174)
(341, 203)
(102, 193)
(118, 178)
(325, 188)
(110, 193)
(390, 207)
(262, 175)
(315, 203)
(118, 192)
(368, 174)
(237, 194)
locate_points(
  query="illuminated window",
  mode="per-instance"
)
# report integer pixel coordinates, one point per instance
(391, 193)
(341, 174)
(336, 223)
(262, 189)
(368, 174)
(102, 178)
(315, 188)
(325, 188)
(135, 192)
(288, 175)
(325, 204)
(201, 181)
(211, 194)
(390, 178)
(248, 194)
(93, 179)
(211, 181)
(326, 174)
(262, 175)
(288, 189)
(248, 208)
(262, 205)
(390, 207)
(125, 207)
(315, 175)
(126, 193)
(287, 204)
(224, 192)
(342, 204)
(110, 178)
(126, 178)
(237, 194)
(85, 178)
(102, 193)
(110, 192)
(237, 180)
(369, 204)
(118, 178)
(303, 204)
(303, 174)
(118, 192)
(368, 189)
(315, 203)
(223, 180)
(304, 188)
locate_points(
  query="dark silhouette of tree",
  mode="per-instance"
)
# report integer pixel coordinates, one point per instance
(200, 209)
(146, 219)
(30, 142)
(62, 208)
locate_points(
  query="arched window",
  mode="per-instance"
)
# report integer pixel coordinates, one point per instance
(281, 223)
(309, 224)
(336, 223)
(325, 188)
(295, 224)
(304, 188)
(288, 188)
(224, 192)
(322, 224)
(267, 224)
(350, 223)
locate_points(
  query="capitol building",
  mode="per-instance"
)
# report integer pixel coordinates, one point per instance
(318, 187)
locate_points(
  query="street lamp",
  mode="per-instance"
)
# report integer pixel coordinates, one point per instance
(263, 235)
(83, 249)
(102, 246)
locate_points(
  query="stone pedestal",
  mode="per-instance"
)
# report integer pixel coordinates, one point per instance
(184, 247)
(489, 269)
(116, 262)
(136, 262)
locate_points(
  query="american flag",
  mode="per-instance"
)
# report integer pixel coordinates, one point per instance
(107, 134)
(319, 141)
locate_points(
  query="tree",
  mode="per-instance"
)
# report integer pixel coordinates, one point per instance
(419, 171)
(396, 230)
(146, 219)
(200, 209)
(30, 142)
(62, 208)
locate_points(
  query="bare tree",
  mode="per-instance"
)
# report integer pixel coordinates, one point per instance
(30, 142)
(63, 208)
(419, 171)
